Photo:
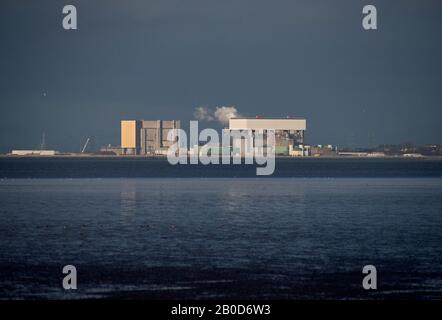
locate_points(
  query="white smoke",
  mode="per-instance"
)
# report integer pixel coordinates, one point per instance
(222, 114)
(203, 114)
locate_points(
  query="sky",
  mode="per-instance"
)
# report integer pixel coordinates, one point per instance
(161, 59)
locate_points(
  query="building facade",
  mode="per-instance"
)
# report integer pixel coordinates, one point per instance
(289, 132)
(33, 152)
(130, 137)
(146, 137)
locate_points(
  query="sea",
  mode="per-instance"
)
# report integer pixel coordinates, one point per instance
(139, 228)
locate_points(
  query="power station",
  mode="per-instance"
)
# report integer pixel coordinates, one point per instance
(149, 137)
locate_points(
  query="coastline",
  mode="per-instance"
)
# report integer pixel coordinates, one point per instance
(107, 156)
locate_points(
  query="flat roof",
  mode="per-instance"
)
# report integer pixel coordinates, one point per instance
(266, 123)
(268, 118)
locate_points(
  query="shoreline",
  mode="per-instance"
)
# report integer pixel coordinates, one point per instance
(158, 157)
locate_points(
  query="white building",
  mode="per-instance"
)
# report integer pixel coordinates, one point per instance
(289, 132)
(33, 152)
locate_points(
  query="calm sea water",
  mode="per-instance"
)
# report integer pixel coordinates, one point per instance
(116, 167)
(216, 232)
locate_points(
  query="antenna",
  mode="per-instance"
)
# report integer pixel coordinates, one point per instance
(43, 142)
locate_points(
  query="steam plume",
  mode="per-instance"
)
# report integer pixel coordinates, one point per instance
(221, 114)
(203, 114)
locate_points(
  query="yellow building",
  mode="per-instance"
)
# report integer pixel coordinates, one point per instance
(130, 137)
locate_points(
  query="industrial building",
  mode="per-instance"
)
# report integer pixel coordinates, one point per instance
(33, 152)
(146, 137)
(289, 132)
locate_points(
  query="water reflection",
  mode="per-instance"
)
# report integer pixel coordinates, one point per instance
(128, 200)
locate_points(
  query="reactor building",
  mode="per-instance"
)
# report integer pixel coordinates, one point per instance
(146, 137)
(289, 132)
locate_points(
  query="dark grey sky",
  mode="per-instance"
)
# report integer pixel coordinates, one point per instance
(161, 59)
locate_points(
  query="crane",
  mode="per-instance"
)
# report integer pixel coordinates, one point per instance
(85, 145)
